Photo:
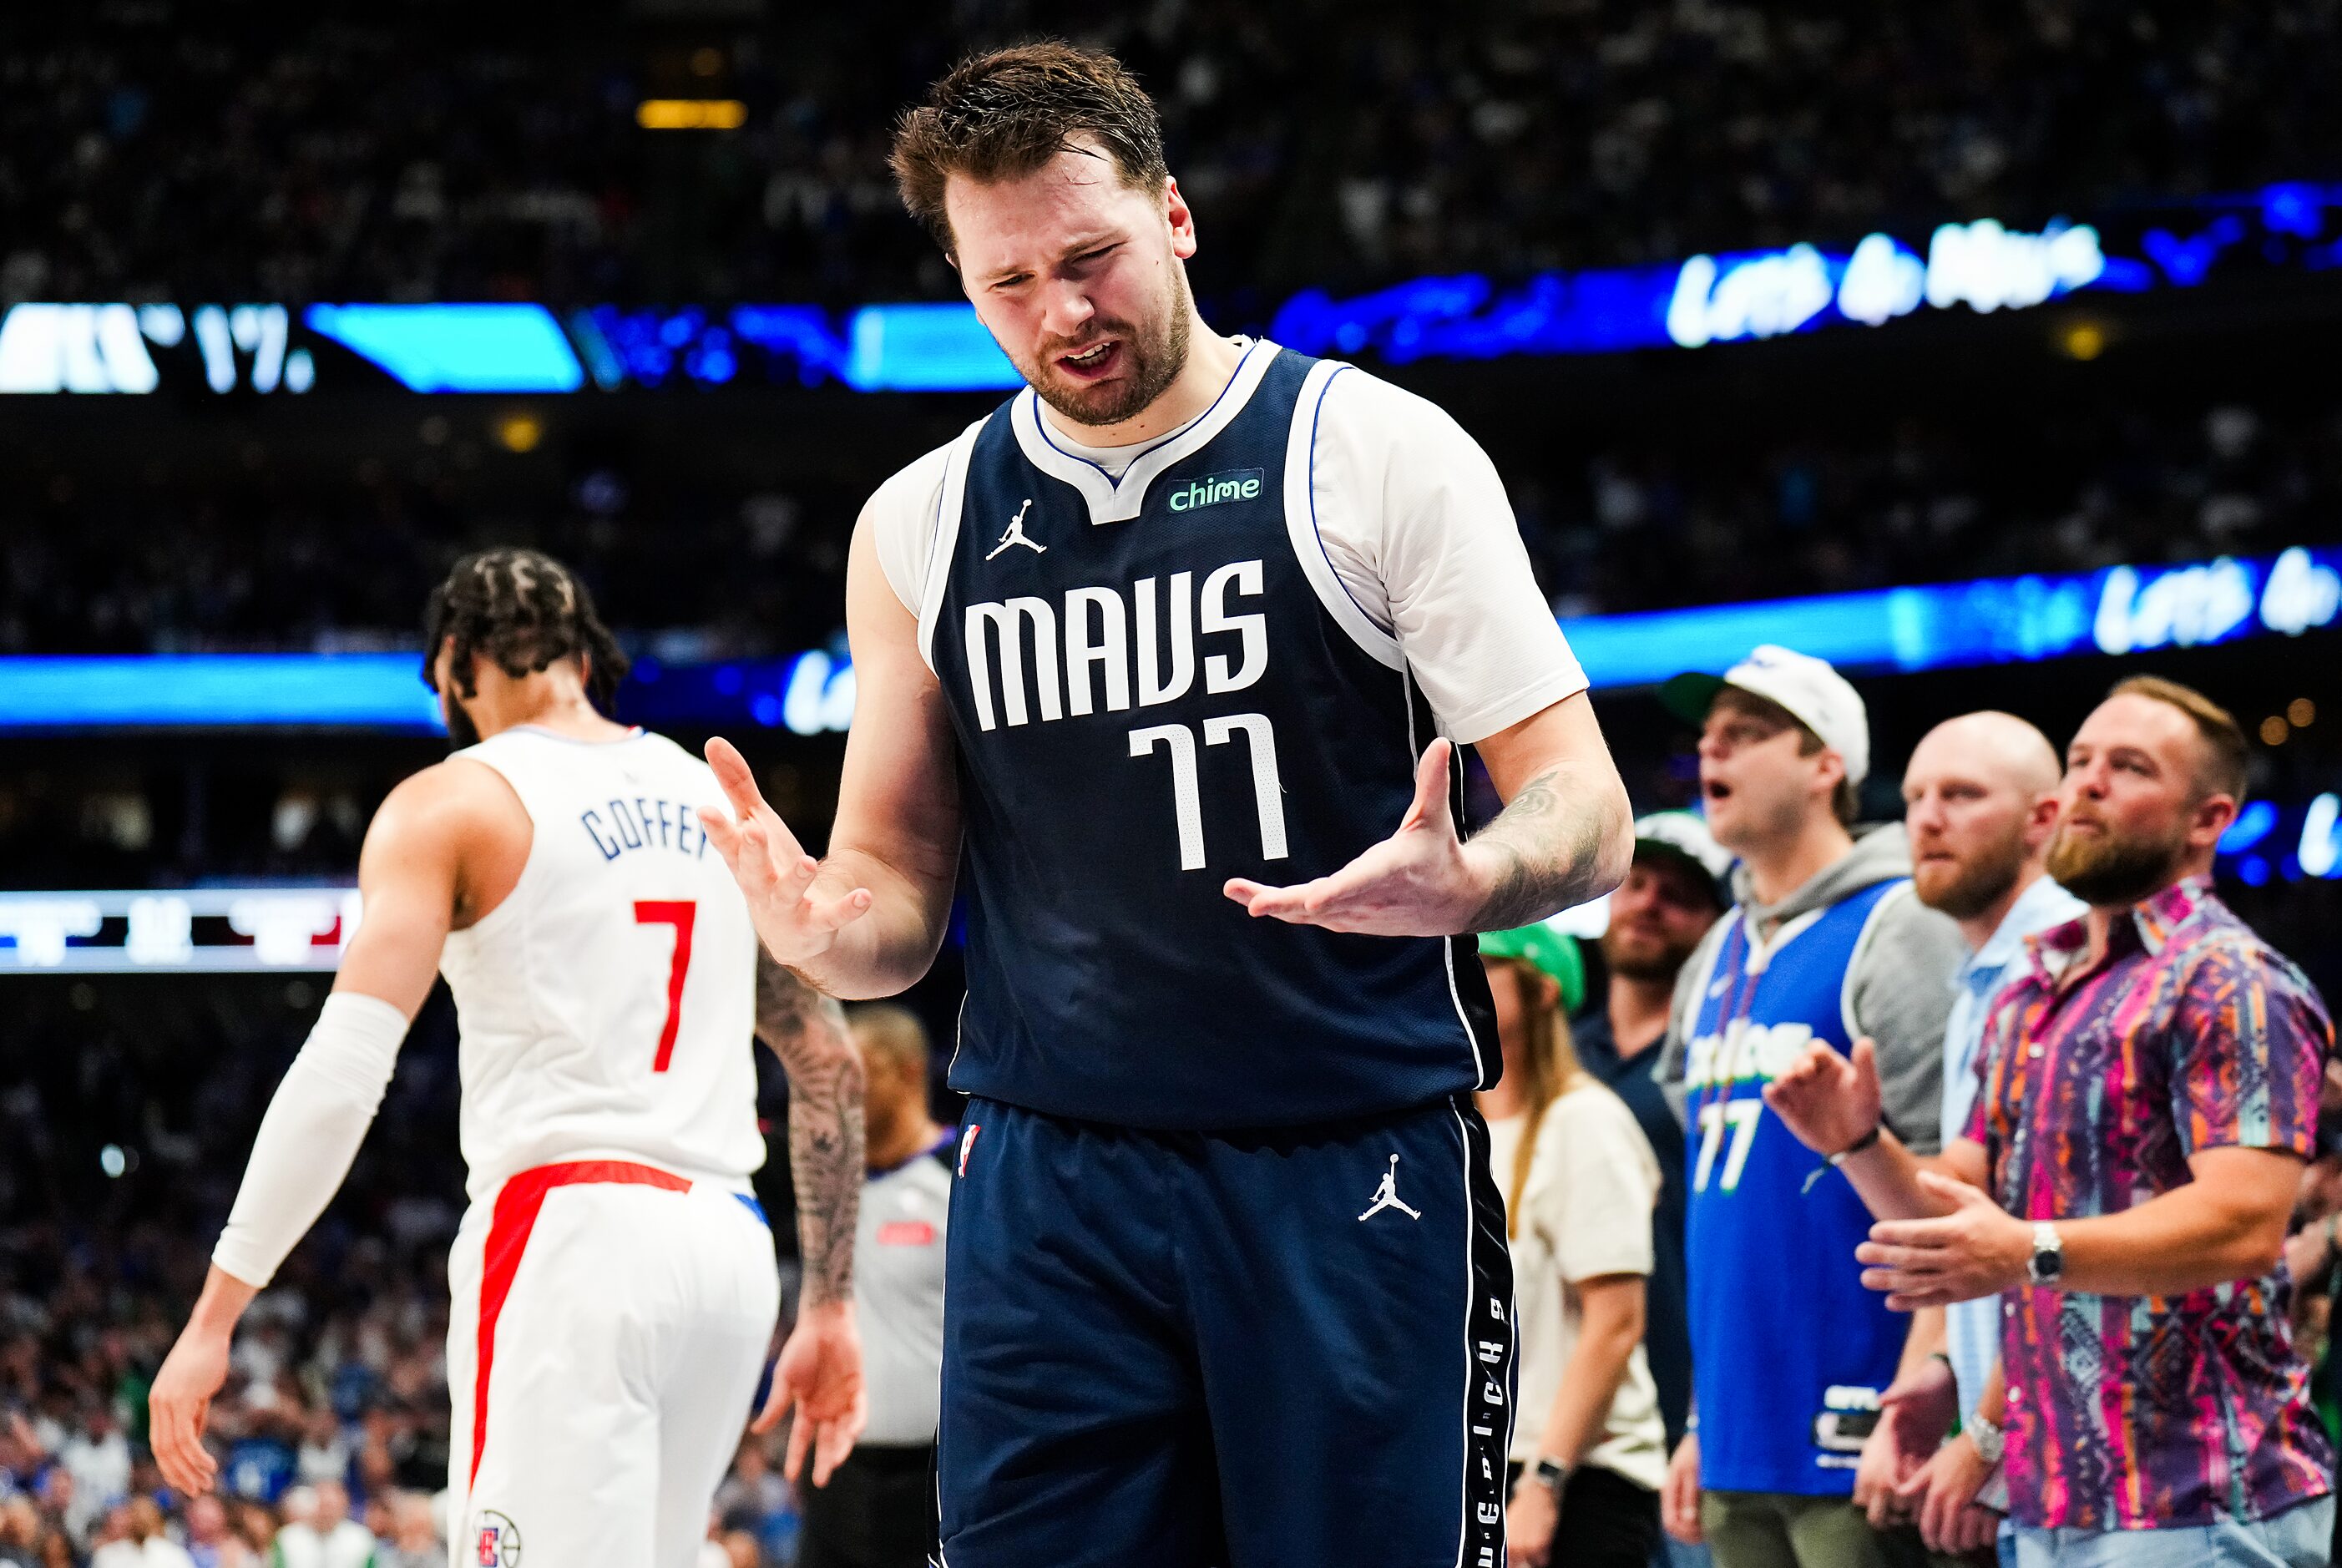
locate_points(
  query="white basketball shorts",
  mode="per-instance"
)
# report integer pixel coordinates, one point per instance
(608, 1327)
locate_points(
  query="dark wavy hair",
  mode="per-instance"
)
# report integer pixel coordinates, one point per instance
(1004, 113)
(523, 611)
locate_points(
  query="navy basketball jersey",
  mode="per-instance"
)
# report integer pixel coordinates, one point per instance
(1789, 1351)
(1154, 690)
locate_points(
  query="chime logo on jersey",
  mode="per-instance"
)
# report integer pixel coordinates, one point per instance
(1111, 648)
(496, 1541)
(1214, 488)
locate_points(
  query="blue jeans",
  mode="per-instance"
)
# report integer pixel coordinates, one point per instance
(2300, 1537)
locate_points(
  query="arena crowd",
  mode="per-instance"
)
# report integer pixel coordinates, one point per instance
(282, 557)
(174, 151)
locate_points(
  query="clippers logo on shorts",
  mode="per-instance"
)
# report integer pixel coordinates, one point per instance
(967, 1144)
(496, 1541)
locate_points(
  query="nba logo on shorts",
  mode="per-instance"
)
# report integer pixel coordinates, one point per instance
(498, 1540)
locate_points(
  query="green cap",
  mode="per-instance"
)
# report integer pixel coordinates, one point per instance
(1545, 949)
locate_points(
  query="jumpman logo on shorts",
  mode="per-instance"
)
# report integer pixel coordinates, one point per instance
(1016, 535)
(1387, 1196)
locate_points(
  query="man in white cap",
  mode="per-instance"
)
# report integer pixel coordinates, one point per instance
(1826, 943)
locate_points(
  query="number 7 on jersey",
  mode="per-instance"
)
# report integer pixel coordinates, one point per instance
(679, 913)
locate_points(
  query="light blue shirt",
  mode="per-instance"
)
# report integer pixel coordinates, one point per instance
(1972, 1328)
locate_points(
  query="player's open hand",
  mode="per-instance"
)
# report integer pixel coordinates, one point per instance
(819, 1377)
(1830, 1101)
(1415, 883)
(180, 1403)
(798, 920)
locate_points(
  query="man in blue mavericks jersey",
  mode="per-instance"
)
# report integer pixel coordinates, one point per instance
(1790, 1355)
(1161, 668)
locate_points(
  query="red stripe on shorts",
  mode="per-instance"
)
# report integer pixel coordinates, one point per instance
(514, 1218)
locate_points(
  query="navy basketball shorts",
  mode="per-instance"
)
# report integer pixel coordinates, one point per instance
(1257, 1349)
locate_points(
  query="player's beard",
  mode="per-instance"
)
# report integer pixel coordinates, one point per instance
(1965, 890)
(2108, 870)
(1155, 348)
(461, 731)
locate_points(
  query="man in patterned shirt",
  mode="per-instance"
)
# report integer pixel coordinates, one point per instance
(2149, 1090)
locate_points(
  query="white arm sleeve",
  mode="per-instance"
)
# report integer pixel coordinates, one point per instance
(1416, 524)
(902, 514)
(315, 1123)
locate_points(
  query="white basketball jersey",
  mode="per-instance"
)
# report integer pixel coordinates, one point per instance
(607, 1007)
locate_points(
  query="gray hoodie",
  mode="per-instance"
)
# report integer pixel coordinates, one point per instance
(1898, 989)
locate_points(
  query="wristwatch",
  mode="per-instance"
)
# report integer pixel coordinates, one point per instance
(2046, 1266)
(1552, 1474)
(1990, 1441)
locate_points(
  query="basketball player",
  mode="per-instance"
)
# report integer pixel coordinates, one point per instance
(614, 1292)
(1171, 654)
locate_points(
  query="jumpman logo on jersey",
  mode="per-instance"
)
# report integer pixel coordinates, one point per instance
(1016, 535)
(1387, 1196)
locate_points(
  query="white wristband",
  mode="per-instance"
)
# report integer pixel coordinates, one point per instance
(315, 1122)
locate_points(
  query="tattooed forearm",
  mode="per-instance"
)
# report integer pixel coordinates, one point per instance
(1547, 850)
(807, 1032)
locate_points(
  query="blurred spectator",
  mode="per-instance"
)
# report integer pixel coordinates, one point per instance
(1580, 1181)
(134, 1539)
(1672, 895)
(878, 1509)
(97, 1457)
(20, 1532)
(318, 1531)
(755, 1498)
(324, 1451)
(210, 1541)
(414, 1539)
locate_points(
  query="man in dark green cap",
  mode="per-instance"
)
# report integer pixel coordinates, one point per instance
(1671, 896)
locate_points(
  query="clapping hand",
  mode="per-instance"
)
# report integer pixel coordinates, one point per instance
(1978, 1249)
(1830, 1101)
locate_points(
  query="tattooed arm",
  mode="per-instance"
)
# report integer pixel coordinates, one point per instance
(807, 1032)
(1565, 837)
(819, 1373)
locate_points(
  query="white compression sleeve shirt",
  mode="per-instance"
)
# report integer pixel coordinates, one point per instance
(315, 1122)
